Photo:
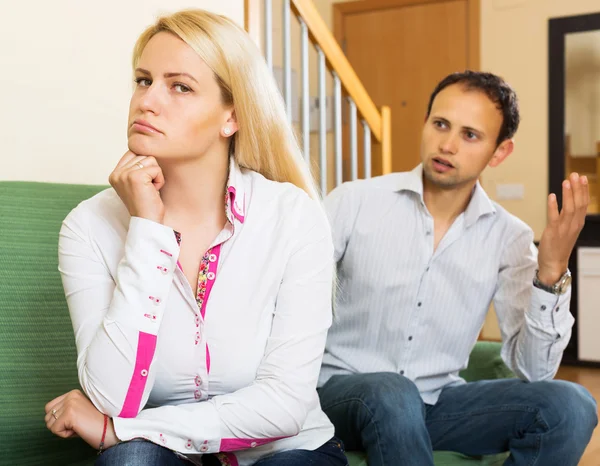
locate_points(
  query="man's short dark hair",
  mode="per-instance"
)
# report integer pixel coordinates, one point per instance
(497, 90)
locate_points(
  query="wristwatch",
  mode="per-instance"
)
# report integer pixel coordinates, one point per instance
(560, 287)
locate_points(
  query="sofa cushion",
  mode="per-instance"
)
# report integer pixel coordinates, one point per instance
(485, 363)
(37, 348)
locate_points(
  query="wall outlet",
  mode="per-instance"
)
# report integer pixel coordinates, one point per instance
(515, 191)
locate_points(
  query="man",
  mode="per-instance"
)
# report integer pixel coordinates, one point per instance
(421, 255)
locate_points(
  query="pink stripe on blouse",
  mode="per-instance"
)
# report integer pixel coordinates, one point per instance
(232, 444)
(236, 214)
(207, 360)
(212, 267)
(145, 353)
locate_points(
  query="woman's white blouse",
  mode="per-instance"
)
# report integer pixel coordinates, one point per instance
(233, 371)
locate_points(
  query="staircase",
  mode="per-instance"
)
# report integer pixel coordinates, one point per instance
(344, 136)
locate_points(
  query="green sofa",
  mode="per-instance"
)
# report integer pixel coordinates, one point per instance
(37, 349)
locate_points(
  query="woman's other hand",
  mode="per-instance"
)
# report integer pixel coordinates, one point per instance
(73, 414)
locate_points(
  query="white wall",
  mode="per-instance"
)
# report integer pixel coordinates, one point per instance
(66, 80)
(514, 44)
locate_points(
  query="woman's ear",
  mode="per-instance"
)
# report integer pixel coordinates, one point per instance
(230, 127)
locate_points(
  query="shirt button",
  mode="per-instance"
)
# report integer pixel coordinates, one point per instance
(543, 307)
(163, 269)
(198, 381)
(156, 301)
(410, 338)
(212, 257)
(203, 448)
(188, 445)
(253, 444)
(401, 372)
(210, 275)
(419, 303)
(144, 372)
(197, 394)
(557, 309)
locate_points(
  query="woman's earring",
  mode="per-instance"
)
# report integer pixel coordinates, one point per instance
(226, 131)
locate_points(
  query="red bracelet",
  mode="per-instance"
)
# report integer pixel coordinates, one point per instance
(103, 434)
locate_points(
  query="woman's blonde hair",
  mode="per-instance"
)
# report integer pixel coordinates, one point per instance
(265, 142)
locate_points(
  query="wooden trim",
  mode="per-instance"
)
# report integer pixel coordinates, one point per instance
(386, 140)
(337, 61)
(338, 25)
(597, 193)
(474, 34)
(361, 6)
(252, 20)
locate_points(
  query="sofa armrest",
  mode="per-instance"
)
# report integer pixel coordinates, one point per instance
(485, 363)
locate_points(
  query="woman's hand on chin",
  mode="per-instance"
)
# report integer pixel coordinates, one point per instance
(138, 180)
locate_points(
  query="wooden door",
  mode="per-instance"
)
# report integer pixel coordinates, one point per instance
(400, 50)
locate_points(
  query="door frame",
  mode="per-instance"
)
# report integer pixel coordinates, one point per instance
(360, 6)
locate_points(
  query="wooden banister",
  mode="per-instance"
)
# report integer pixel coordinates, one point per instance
(386, 139)
(337, 61)
(252, 11)
(379, 121)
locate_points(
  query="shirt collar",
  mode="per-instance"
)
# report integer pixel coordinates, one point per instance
(235, 200)
(479, 205)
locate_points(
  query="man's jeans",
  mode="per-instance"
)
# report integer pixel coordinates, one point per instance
(540, 423)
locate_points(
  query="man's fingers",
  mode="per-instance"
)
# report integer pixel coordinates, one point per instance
(585, 189)
(577, 189)
(553, 215)
(568, 204)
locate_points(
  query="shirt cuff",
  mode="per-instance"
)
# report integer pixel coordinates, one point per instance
(144, 275)
(188, 429)
(548, 311)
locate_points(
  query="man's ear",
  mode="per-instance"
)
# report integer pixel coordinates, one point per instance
(502, 151)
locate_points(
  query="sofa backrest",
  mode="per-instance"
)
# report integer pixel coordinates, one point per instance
(37, 347)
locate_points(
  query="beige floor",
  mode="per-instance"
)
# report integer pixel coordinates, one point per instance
(590, 379)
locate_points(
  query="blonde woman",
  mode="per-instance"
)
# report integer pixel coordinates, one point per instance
(200, 286)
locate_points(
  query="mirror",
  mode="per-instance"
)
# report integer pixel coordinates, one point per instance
(574, 104)
(582, 109)
(573, 135)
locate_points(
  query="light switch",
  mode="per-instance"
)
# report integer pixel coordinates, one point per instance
(513, 191)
